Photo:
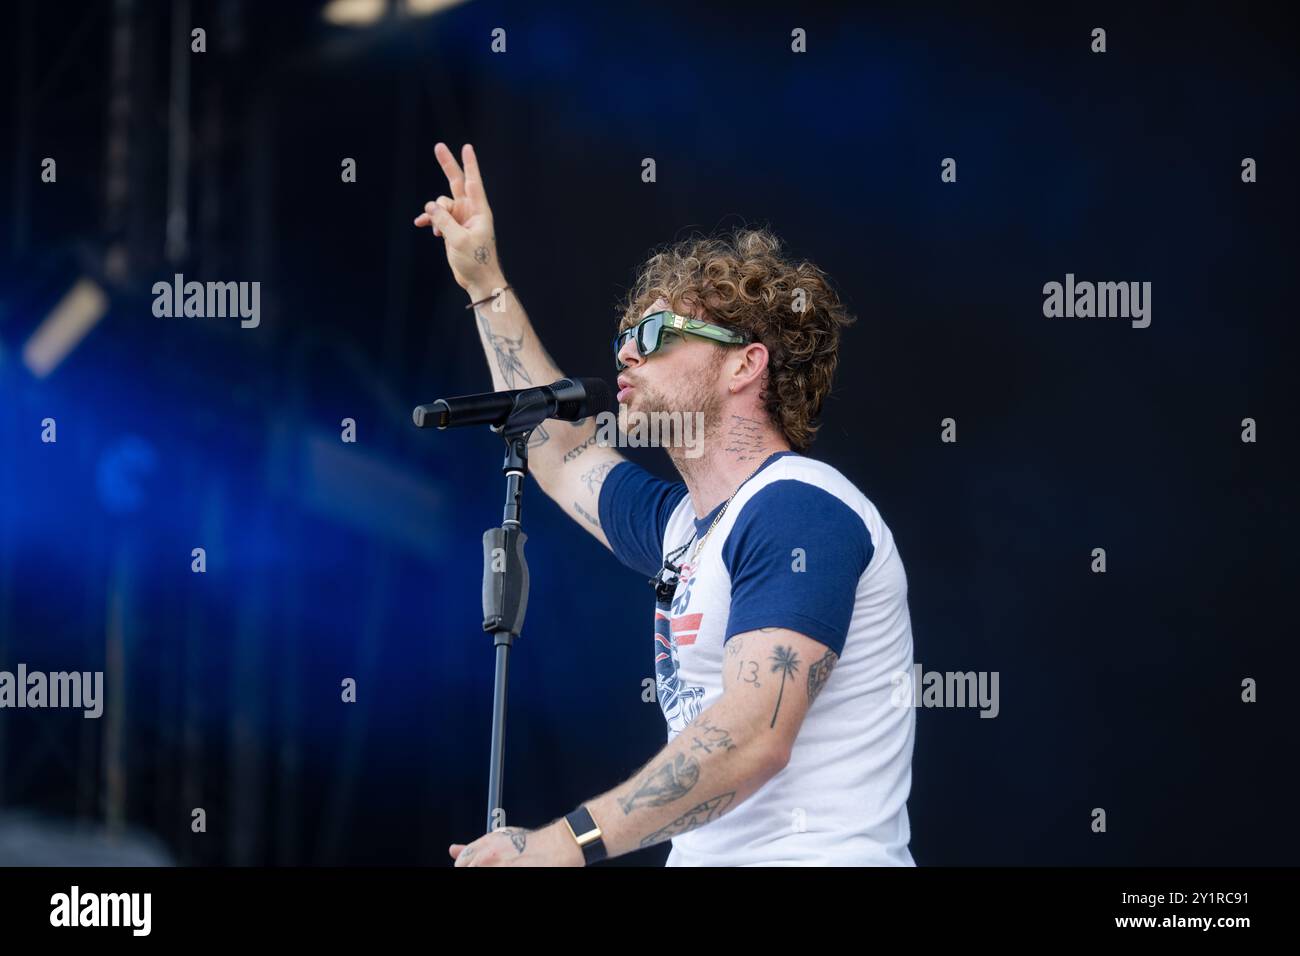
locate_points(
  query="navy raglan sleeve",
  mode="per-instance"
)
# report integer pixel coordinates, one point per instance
(810, 590)
(634, 510)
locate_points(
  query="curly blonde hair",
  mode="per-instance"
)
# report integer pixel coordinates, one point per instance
(742, 280)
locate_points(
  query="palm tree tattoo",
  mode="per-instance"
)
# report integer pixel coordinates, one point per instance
(786, 661)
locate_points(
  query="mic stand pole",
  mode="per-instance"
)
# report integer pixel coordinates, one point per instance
(505, 587)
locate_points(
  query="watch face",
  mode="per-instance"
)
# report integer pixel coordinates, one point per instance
(589, 832)
(589, 840)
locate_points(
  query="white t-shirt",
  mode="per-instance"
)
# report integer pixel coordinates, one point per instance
(799, 547)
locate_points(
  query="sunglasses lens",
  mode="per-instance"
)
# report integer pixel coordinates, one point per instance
(648, 333)
(621, 340)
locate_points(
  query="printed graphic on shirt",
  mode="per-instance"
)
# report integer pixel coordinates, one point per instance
(683, 596)
(680, 703)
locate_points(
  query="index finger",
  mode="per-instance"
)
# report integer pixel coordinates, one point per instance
(473, 177)
(455, 178)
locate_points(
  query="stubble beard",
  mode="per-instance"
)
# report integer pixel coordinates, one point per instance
(700, 395)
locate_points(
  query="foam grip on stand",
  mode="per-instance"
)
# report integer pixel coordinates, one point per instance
(505, 580)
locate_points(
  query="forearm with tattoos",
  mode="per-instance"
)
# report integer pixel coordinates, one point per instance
(516, 357)
(771, 677)
(713, 765)
(565, 458)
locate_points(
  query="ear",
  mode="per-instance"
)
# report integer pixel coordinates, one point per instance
(748, 364)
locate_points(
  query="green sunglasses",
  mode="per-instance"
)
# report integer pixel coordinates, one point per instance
(648, 334)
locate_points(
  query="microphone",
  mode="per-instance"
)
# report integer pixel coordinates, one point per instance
(569, 399)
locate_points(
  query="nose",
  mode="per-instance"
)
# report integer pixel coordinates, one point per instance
(628, 354)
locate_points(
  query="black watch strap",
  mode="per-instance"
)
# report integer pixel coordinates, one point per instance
(588, 835)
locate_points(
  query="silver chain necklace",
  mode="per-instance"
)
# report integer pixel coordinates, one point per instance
(700, 544)
(665, 582)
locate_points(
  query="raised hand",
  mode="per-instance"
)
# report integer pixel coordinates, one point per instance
(464, 221)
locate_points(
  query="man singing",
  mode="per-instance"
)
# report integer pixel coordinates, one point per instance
(781, 626)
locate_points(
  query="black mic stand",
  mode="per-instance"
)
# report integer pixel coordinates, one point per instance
(505, 582)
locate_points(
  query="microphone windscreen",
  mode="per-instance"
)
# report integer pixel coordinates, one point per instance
(600, 398)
